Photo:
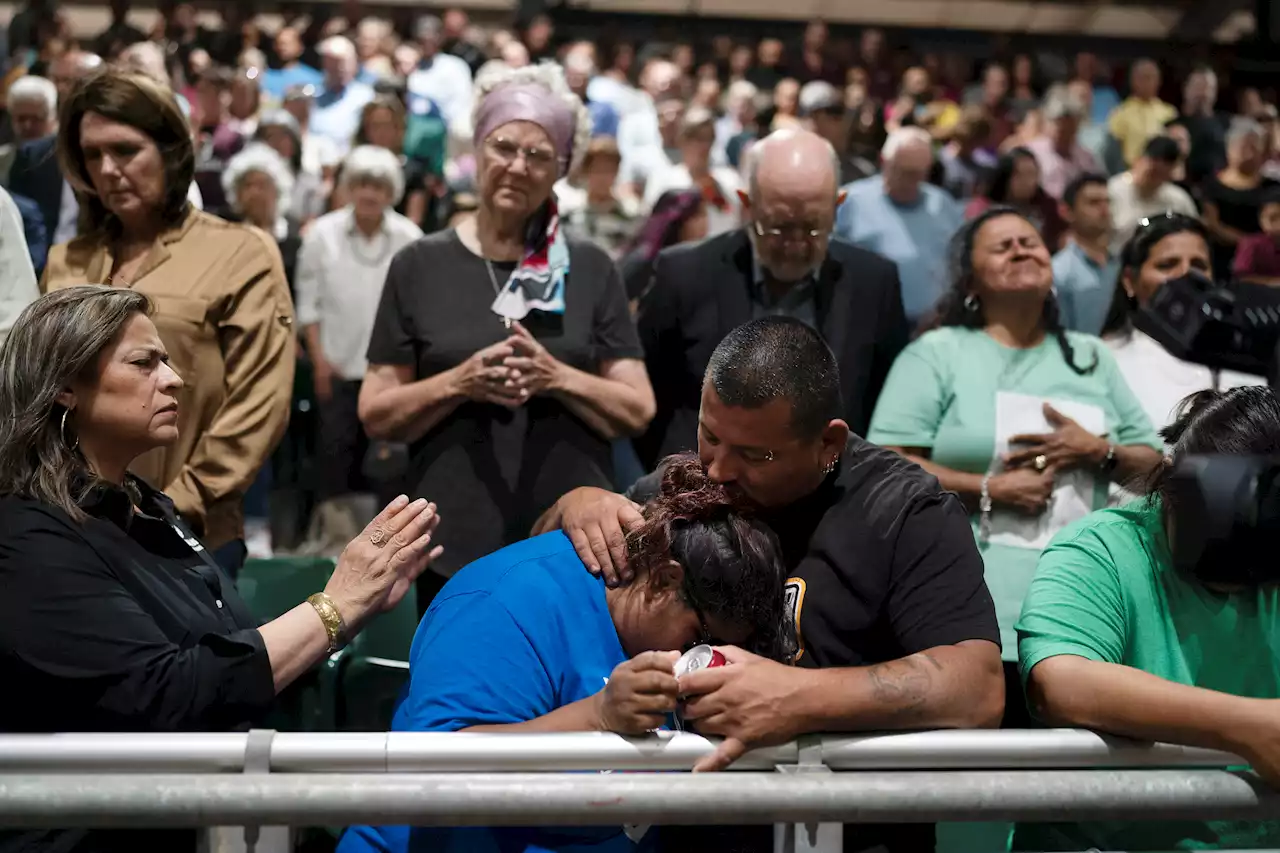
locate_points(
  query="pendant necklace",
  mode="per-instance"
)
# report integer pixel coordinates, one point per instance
(493, 279)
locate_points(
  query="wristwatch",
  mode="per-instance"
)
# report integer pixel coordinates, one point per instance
(332, 619)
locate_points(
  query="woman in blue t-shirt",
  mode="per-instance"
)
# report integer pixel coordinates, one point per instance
(527, 640)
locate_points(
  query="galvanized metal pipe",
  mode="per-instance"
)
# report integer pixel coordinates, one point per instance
(434, 752)
(452, 799)
(437, 752)
(114, 753)
(1011, 749)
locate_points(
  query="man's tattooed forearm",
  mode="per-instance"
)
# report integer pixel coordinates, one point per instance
(903, 686)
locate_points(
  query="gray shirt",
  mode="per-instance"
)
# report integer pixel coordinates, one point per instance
(797, 302)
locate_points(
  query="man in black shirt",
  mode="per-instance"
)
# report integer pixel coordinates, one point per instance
(1208, 130)
(897, 629)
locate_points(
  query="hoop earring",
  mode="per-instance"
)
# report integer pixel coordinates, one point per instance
(972, 304)
(62, 430)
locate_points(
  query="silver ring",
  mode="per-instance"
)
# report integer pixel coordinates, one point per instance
(1041, 462)
(378, 538)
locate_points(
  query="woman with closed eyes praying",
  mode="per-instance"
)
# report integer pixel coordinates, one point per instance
(220, 297)
(503, 354)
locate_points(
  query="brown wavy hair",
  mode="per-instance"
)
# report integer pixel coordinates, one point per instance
(733, 567)
(145, 105)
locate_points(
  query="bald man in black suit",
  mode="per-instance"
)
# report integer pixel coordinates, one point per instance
(782, 262)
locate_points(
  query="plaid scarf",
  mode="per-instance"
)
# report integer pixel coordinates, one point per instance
(537, 282)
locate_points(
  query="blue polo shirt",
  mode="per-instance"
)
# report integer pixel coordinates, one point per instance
(511, 637)
(335, 113)
(915, 237)
(1084, 288)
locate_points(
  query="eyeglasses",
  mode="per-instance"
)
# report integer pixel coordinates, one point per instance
(506, 152)
(793, 233)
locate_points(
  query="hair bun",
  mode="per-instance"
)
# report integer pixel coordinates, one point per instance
(688, 494)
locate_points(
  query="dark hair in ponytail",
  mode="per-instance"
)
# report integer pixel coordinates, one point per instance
(732, 562)
(960, 306)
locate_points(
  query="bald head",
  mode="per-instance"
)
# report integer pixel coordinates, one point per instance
(70, 68)
(794, 192)
(793, 164)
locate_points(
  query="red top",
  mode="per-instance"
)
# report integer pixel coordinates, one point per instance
(1257, 254)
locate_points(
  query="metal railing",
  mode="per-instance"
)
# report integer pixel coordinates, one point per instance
(464, 752)
(531, 799)
(809, 787)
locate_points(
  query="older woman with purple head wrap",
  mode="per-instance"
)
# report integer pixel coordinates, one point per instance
(503, 354)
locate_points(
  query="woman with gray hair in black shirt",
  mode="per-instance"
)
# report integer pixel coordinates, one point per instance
(503, 353)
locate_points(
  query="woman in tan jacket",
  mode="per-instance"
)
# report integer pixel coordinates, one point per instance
(221, 300)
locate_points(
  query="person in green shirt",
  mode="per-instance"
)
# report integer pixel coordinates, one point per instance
(1112, 637)
(1000, 344)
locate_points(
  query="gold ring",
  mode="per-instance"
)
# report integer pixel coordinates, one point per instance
(378, 538)
(1041, 462)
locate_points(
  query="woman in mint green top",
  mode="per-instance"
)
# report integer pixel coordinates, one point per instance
(967, 401)
(1113, 637)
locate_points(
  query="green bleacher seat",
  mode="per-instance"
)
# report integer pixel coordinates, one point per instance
(369, 688)
(272, 588)
(389, 635)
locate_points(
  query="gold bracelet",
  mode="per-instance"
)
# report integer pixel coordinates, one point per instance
(332, 619)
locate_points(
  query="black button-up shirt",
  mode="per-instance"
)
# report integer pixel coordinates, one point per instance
(121, 623)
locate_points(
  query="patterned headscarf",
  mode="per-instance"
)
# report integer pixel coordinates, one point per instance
(538, 281)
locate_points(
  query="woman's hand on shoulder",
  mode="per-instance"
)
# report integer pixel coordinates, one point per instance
(378, 567)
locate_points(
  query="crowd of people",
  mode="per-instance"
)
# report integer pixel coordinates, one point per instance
(637, 352)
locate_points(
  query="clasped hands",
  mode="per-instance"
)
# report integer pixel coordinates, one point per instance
(509, 372)
(1026, 483)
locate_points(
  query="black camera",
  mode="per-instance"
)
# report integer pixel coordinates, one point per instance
(1228, 518)
(1228, 507)
(1224, 327)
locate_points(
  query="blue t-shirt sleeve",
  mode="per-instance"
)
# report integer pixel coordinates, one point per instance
(472, 664)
